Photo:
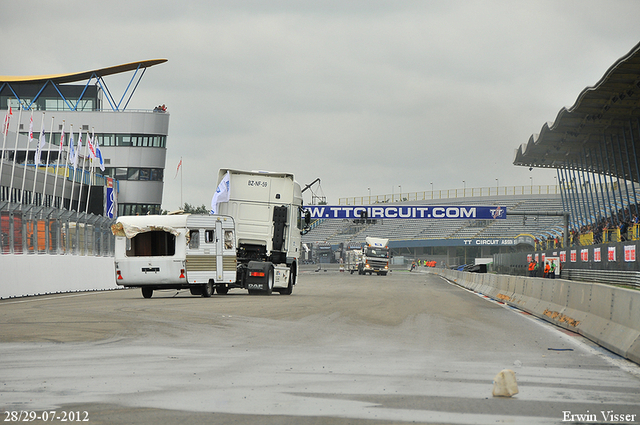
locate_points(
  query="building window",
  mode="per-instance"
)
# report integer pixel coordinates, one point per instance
(143, 174)
(138, 209)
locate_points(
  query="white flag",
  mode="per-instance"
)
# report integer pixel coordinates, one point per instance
(41, 144)
(221, 195)
(98, 151)
(31, 127)
(72, 157)
(75, 160)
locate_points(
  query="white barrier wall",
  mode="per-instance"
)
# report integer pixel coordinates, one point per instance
(607, 315)
(22, 275)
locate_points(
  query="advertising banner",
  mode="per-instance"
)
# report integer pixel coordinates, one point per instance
(406, 211)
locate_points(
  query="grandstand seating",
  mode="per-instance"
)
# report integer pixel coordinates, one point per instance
(345, 231)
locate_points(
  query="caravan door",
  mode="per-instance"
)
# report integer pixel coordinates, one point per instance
(219, 252)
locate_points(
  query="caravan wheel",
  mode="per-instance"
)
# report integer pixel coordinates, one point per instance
(147, 292)
(207, 289)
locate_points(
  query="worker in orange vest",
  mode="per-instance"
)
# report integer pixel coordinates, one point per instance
(532, 268)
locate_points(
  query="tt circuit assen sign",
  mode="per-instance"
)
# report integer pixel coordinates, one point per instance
(406, 211)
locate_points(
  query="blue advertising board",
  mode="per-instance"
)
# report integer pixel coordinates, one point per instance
(111, 204)
(406, 211)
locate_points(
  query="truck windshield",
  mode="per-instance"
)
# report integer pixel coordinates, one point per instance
(377, 252)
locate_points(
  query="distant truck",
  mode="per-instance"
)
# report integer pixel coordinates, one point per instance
(253, 241)
(374, 257)
(353, 260)
(195, 252)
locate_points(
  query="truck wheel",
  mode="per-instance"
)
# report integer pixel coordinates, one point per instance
(292, 281)
(207, 289)
(147, 292)
(269, 289)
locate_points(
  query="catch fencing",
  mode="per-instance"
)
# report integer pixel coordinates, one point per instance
(36, 230)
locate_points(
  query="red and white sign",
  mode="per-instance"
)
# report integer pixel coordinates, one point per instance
(597, 255)
(629, 253)
(563, 256)
(574, 255)
(612, 253)
(584, 255)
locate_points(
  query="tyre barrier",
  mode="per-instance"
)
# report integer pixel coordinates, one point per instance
(607, 315)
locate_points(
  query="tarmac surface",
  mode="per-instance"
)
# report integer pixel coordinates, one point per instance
(342, 349)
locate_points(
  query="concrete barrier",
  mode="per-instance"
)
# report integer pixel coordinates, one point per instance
(24, 275)
(605, 314)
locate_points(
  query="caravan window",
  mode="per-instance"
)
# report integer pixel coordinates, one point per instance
(194, 239)
(228, 239)
(151, 244)
(209, 236)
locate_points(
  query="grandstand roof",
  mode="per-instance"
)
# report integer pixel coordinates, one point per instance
(602, 116)
(81, 76)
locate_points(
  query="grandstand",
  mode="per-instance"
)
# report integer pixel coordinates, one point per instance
(446, 232)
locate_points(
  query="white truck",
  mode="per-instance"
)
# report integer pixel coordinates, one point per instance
(266, 208)
(253, 241)
(196, 252)
(375, 256)
(353, 260)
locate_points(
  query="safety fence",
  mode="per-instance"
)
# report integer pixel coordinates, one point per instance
(30, 229)
(591, 238)
(471, 192)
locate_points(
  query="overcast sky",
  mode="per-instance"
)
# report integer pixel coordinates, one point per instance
(385, 95)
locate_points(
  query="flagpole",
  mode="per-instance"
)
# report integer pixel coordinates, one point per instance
(74, 162)
(46, 171)
(5, 130)
(15, 153)
(86, 210)
(26, 157)
(61, 206)
(84, 161)
(36, 162)
(65, 177)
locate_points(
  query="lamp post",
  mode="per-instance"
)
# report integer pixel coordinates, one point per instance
(464, 188)
(400, 196)
(369, 189)
(497, 186)
(531, 180)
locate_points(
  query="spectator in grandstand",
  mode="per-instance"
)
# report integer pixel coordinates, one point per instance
(624, 228)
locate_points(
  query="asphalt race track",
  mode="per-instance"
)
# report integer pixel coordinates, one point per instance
(342, 349)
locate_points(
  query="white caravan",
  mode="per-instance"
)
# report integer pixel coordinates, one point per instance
(153, 252)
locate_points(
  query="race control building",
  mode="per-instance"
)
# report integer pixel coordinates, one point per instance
(132, 142)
